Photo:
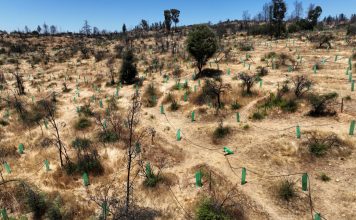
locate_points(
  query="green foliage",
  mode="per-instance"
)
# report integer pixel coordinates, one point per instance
(128, 70)
(108, 136)
(286, 190)
(85, 110)
(258, 115)
(81, 143)
(246, 46)
(321, 103)
(235, 105)
(278, 101)
(54, 213)
(208, 210)
(318, 149)
(324, 177)
(174, 105)
(36, 202)
(150, 96)
(202, 44)
(82, 124)
(3, 122)
(278, 14)
(221, 131)
(90, 163)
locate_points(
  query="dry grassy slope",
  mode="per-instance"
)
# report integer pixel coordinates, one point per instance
(268, 147)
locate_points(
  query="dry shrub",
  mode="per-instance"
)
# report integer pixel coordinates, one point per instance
(320, 144)
(173, 156)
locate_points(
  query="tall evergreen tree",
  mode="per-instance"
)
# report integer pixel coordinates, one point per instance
(128, 70)
(279, 11)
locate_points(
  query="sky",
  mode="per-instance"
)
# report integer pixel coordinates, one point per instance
(69, 15)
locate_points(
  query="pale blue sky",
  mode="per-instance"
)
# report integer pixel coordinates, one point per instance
(111, 14)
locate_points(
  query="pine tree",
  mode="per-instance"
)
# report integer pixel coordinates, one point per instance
(128, 70)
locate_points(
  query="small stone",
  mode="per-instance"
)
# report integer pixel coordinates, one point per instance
(337, 180)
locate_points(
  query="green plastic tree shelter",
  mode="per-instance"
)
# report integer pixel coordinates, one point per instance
(317, 216)
(353, 85)
(4, 214)
(46, 123)
(243, 176)
(350, 64)
(261, 83)
(104, 209)
(352, 127)
(21, 148)
(101, 103)
(7, 167)
(85, 179)
(314, 68)
(178, 135)
(193, 116)
(238, 117)
(198, 176)
(162, 109)
(298, 132)
(228, 151)
(305, 182)
(46, 162)
(138, 147)
(148, 170)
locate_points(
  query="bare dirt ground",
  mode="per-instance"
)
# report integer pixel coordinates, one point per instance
(268, 149)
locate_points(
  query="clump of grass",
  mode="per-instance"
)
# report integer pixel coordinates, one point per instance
(85, 110)
(82, 124)
(150, 96)
(235, 105)
(221, 131)
(3, 122)
(246, 127)
(108, 136)
(174, 105)
(324, 177)
(287, 105)
(258, 116)
(208, 210)
(81, 143)
(286, 190)
(347, 98)
(318, 149)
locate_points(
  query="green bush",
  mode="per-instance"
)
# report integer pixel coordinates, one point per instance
(85, 110)
(289, 105)
(221, 131)
(3, 122)
(286, 190)
(108, 136)
(90, 163)
(324, 177)
(174, 105)
(207, 210)
(82, 124)
(235, 105)
(152, 180)
(81, 143)
(36, 202)
(54, 213)
(318, 149)
(258, 116)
